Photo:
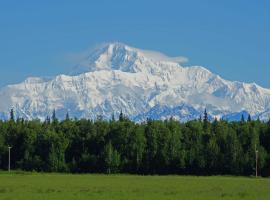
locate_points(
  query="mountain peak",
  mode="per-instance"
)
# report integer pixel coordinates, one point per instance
(116, 45)
(108, 56)
(119, 56)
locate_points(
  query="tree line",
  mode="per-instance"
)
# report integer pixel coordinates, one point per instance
(197, 147)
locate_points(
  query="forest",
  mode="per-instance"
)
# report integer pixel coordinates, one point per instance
(197, 147)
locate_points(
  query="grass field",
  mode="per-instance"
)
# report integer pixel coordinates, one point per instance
(65, 187)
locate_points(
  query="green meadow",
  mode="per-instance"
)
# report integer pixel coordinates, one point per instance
(107, 187)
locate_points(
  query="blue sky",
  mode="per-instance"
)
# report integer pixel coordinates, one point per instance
(231, 38)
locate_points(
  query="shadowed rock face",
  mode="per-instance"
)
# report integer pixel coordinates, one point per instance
(143, 84)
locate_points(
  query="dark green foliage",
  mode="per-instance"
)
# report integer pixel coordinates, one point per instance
(198, 147)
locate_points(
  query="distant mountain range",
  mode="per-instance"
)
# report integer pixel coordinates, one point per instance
(143, 84)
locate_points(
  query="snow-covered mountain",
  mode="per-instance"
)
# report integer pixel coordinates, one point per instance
(143, 84)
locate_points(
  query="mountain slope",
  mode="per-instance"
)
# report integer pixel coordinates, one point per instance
(143, 84)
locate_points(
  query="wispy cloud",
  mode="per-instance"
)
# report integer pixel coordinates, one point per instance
(78, 57)
(162, 57)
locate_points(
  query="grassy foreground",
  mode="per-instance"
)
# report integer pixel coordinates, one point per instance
(65, 187)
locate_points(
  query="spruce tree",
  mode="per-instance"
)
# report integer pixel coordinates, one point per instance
(205, 120)
(249, 118)
(12, 116)
(242, 118)
(121, 116)
(54, 115)
(67, 116)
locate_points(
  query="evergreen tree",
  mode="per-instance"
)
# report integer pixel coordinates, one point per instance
(205, 122)
(67, 116)
(12, 116)
(249, 118)
(242, 118)
(121, 116)
(54, 115)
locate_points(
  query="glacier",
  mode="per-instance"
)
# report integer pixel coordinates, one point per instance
(142, 84)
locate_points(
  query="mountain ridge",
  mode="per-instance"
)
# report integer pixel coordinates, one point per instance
(141, 83)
